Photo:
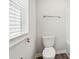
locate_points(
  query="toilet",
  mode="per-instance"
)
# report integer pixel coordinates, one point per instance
(49, 51)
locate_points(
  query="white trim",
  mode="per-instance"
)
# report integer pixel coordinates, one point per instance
(63, 51)
(60, 51)
(67, 54)
(17, 40)
(38, 54)
(57, 52)
(16, 43)
(17, 35)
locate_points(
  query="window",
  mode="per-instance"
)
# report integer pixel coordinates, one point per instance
(18, 18)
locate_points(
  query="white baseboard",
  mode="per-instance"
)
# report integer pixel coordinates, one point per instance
(38, 54)
(57, 52)
(60, 51)
(67, 53)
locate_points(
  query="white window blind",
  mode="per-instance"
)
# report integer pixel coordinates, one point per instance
(16, 18)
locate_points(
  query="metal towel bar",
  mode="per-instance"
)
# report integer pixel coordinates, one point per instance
(52, 16)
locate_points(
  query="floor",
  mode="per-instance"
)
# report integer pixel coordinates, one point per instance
(58, 56)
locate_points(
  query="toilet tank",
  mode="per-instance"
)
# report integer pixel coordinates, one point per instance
(48, 41)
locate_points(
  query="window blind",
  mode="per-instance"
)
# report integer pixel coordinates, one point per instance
(16, 17)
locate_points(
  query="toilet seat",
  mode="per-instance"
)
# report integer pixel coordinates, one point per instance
(49, 52)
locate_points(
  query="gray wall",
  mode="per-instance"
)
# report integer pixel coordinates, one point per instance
(68, 31)
(51, 26)
(24, 49)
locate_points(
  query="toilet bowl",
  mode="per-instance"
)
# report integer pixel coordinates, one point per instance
(49, 51)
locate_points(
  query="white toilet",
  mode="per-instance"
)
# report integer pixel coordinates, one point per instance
(49, 51)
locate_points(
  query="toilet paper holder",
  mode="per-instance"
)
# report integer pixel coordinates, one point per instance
(28, 39)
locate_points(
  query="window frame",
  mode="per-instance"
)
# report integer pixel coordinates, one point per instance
(26, 21)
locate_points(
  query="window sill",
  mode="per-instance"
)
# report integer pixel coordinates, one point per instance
(16, 40)
(18, 35)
